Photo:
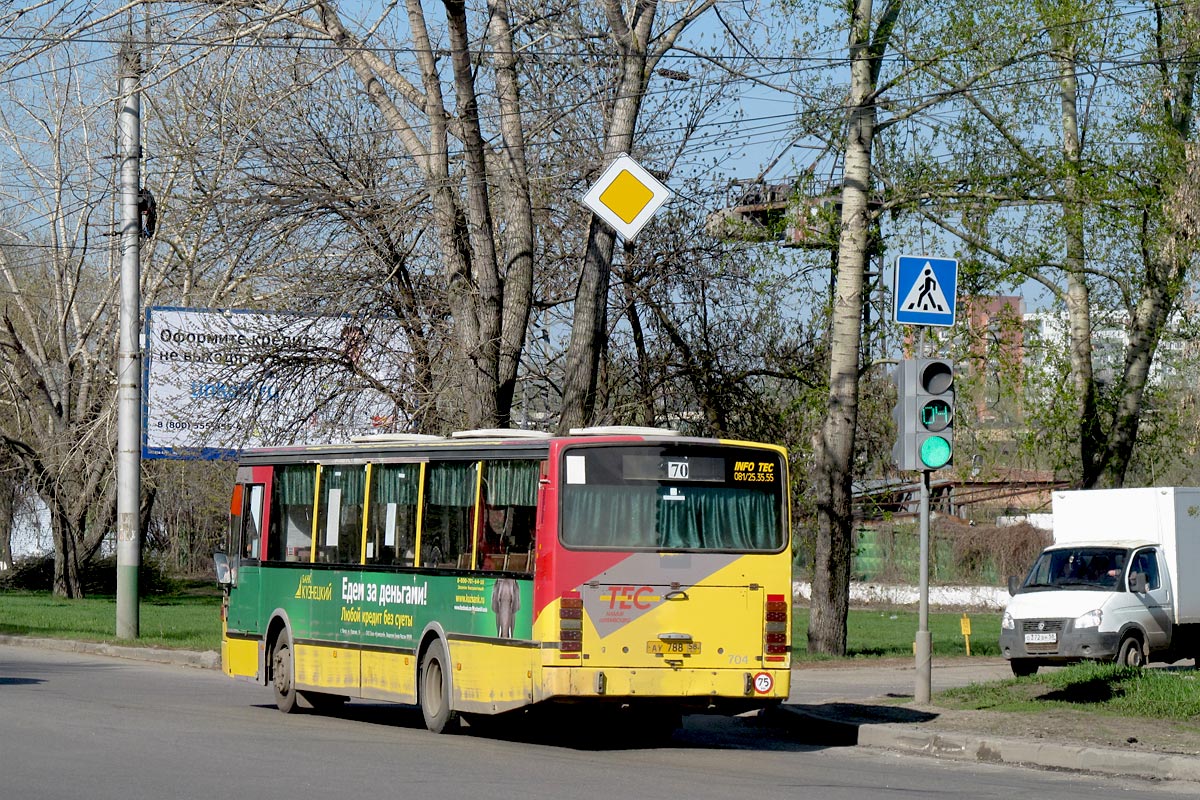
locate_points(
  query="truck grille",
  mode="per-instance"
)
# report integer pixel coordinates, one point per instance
(1054, 626)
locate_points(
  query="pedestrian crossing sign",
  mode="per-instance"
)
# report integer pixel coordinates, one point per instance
(924, 290)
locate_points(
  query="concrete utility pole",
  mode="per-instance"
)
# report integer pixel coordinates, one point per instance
(129, 364)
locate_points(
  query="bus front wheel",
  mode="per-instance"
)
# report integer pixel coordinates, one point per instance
(435, 689)
(283, 679)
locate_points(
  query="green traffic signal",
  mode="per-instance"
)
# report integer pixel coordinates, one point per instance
(935, 452)
(924, 414)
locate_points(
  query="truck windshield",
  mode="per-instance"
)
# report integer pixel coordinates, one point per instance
(1078, 568)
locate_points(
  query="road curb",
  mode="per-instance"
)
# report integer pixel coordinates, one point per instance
(991, 749)
(206, 659)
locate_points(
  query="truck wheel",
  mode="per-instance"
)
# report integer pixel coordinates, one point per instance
(1130, 653)
(1023, 667)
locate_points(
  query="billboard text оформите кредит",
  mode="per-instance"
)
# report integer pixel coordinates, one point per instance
(217, 382)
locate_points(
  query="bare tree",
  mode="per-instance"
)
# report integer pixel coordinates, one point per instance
(638, 46)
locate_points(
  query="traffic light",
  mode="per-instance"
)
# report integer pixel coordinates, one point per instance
(924, 414)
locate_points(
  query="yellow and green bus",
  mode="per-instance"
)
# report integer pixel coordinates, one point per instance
(496, 570)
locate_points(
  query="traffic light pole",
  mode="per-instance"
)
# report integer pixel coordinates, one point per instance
(924, 642)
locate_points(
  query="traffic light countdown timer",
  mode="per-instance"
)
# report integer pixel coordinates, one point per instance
(924, 414)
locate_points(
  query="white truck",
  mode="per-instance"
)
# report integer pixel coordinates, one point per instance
(1120, 583)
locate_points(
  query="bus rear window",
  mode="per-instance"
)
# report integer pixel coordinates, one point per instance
(672, 497)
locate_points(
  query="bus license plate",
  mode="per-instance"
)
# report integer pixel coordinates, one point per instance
(673, 648)
(1041, 638)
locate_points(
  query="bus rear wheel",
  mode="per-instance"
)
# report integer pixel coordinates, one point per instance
(283, 678)
(435, 690)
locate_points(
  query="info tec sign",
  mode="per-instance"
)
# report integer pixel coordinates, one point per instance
(626, 196)
(924, 290)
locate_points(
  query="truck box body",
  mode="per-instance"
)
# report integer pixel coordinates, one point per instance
(1166, 516)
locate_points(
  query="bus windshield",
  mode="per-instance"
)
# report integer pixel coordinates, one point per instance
(683, 497)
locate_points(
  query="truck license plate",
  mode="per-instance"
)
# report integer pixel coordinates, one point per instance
(1041, 638)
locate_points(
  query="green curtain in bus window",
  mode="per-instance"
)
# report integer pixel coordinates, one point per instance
(610, 516)
(296, 484)
(717, 519)
(349, 479)
(451, 483)
(512, 483)
(396, 483)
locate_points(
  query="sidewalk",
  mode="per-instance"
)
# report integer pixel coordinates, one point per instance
(851, 705)
(870, 705)
(208, 659)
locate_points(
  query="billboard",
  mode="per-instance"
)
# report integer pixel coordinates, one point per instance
(219, 381)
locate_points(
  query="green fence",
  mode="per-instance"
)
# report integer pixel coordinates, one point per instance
(895, 557)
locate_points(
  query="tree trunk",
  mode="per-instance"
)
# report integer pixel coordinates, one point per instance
(66, 556)
(1078, 295)
(834, 445)
(7, 504)
(518, 204)
(1164, 284)
(589, 329)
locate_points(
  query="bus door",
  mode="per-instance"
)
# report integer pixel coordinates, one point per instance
(247, 516)
(241, 654)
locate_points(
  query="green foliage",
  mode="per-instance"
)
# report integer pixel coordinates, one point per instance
(958, 554)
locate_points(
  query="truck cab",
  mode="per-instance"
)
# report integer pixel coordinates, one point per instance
(1100, 601)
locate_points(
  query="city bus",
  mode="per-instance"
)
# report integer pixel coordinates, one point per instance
(496, 570)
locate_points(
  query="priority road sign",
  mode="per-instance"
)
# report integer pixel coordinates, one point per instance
(626, 196)
(924, 290)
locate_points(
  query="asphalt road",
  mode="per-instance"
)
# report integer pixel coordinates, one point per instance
(812, 685)
(75, 727)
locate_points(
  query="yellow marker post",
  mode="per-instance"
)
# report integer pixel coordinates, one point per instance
(965, 625)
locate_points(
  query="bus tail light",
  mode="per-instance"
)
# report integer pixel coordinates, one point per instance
(775, 632)
(570, 625)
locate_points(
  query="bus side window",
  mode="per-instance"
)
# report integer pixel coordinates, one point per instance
(291, 512)
(449, 500)
(509, 518)
(392, 515)
(339, 514)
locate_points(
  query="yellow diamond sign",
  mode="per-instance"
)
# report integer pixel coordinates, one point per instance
(626, 196)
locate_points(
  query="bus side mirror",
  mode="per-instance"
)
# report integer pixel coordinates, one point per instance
(1137, 582)
(1014, 583)
(224, 573)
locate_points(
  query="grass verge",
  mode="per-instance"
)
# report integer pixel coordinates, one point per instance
(1172, 694)
(185, 621)
(872, 633)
